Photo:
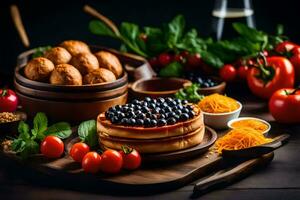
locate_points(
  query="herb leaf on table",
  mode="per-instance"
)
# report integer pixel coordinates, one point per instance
(87, 132)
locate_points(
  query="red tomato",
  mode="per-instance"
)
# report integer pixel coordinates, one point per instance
(112, 161)
(52, 147)
(78, 151)
(8, 100)
(228, 73)
(194, 60)
(91, 162)
(295, 60)
(184, 54)
(280, 75)
(179, 58)
(284, 47)
(284, 105)
(164, 59)
(243, 72)
(131, 158)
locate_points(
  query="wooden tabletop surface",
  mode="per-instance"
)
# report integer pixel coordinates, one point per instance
(280, 180)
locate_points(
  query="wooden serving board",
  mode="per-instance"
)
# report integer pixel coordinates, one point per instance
(151, 176)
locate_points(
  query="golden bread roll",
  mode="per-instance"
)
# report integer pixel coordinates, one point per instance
(58, 55)
(65, 74)
(85, 62)
(109, 61)
(100, 75)
(75, 47)
(39, 69)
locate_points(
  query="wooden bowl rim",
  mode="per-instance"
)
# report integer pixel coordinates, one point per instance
(134, 85)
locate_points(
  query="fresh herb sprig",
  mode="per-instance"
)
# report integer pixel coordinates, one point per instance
(190, 94)
(87, 132)
(39, 51)
(28, 140)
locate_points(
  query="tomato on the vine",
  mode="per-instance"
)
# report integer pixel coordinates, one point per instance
(131, 158)
(228, 73)
(8, 100)
(52, 147)
(78, 151)
(165, 59)
(194, 60)
(284, 47)
(112, 161)
(243, 72)
(91, 162)
(179, 58)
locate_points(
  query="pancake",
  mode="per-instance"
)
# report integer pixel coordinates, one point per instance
(158, 145)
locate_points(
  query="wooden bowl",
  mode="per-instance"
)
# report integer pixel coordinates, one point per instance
(70, 103)
(11, 128)
(157, 87)
(220, 88)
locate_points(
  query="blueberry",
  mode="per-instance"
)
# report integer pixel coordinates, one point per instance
(110, 115)
(148, 99)
(171, 121)
(141, 116)
(178, 112)
(132, 121)
(178, 101)
(147, 122)
(137, 112)
(170, 114)
(145, 104)
(185, 102)
(138, 107)
(140, 122)
(121, 115)
(162, 116)
(106, 114)
(153, 122)
(179, 107)
(130, 114)
(136, 102)
(191, 114)
(163, 105)
(115, 120)
(152, 105)
(125, 108)
(161, 100)
(176, 117)
(199, 80)
(205, 85)
(167, 109)
(124, 121)
(145, 109)
(154, 101)
(118, 107)
(185, 110)
(112, 109)
(162, 122)
(148, 114)
(172, 103)
(184, 116)
(152, 116)
(156, 110)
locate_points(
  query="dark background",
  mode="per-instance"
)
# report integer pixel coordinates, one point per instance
(49, 22)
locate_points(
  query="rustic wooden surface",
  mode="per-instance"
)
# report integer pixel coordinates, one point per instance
(280, 180)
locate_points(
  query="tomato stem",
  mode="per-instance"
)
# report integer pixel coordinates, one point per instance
(4, 93)
(294, 91)
(126, 149)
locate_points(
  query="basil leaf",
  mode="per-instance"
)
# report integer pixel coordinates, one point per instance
(279, 29)
(39, 51)
(40, 124)
(23, 130)
(174, 31)
(18, 145)
(192, 42)
(99, 28)
(212, 59)
(30, 147)
(61, 130)
(155, 40)
(250, 33)
(173, 69)
(87, 132)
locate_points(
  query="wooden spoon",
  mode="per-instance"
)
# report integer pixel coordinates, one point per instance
(257, 151)
(15, 14)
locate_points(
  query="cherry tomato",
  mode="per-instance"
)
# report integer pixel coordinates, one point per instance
(184, 54)
(131, 158)
(179, 58)
(284, 105)
(52, 147)
(78, 151)
(194, 60)
(8, 100)
(284, 47)
(243, 72)
(278, 73)
(154, 62)
(266, 53)
(112, 161)
(91, 162)
(164, 59)
(228, 73)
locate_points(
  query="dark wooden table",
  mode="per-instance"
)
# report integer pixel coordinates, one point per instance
(279, 180)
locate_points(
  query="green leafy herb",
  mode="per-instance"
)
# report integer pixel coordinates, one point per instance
(190, 93)
(87, 132)
(99, 28)
(173, 69)
(39, 51)
(27, 142)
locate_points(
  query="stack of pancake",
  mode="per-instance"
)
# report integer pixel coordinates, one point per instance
(181, 135)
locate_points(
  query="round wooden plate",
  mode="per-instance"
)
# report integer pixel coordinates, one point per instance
(210, 136)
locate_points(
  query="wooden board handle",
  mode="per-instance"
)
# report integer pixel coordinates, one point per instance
(228, 176)
(15, 14)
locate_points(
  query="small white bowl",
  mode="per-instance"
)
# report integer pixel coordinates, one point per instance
(220, 120)
(229, 124)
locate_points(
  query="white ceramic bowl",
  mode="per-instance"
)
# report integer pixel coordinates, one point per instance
(220, 120)
(229, 124)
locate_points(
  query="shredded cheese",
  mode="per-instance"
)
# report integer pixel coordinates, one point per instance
(217, 103)
(250, 123)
